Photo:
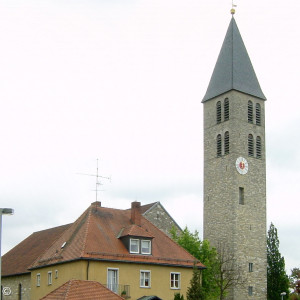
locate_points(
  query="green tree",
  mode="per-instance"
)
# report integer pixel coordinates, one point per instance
(177, 296)
(277, 279)
(194, 291)
(295, 283)
(205, 254)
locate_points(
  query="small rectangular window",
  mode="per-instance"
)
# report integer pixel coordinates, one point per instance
(175, 280)
(250, 267)
(241, 196)
(250, 290)
(56, 274)
(134, 246)
(49, 278)
(145, 279)
(146, 247)
(38, 279)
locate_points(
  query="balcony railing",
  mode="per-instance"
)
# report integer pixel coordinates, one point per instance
(122, 290)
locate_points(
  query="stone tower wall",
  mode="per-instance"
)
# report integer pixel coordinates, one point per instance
(241, 228)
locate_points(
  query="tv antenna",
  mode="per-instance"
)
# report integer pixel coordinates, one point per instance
(98, 179)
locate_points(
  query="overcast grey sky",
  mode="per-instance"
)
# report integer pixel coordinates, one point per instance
(122, 81)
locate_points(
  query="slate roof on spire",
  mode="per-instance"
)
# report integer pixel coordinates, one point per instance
(233, 70)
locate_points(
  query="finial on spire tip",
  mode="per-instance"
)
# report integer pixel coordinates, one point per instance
(232, 11)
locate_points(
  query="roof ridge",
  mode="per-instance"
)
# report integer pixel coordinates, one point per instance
(69, 286)
(87, 229)
(154, 204)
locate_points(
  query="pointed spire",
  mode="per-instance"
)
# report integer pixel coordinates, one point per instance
(233, 70)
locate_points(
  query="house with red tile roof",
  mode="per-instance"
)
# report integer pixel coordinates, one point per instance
(120, 249)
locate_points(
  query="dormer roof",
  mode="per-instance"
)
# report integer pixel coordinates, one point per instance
(135, 230)
(233, 70)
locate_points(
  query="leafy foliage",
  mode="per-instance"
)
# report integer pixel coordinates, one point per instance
(295, 283)
(177, 296)
(194, 291)
(205, 254)
(221, 271)
(278, 281)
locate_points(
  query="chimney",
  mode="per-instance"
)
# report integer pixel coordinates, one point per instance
(96, 204)
(136, 213)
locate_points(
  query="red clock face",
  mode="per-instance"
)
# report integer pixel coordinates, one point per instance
(241, 165)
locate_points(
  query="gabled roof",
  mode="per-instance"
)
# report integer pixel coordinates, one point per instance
(95, 235)
(146, 207)
(18, 259)
(233, 70)
(81, 289)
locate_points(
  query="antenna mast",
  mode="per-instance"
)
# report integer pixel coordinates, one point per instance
(98, 181)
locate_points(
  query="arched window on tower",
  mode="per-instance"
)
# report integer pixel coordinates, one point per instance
(226, 109)
(219, 145)
(250, 145)
(258, 114)
(258, 147)
(226, 143)
(250, 111)
(219, 115)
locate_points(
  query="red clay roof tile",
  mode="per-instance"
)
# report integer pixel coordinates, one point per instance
(18, 259)
(95, 235)
(81, 289)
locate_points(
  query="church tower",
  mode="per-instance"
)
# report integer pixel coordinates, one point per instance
(235, 166)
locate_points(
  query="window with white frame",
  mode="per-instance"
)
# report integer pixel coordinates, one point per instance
(145, 279)
(113, 279)
(146, 247)
(56, 274)
(134, 246)
(38, 279)
(175, 280)
(49, 278)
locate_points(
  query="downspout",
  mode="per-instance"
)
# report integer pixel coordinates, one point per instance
(87, 270)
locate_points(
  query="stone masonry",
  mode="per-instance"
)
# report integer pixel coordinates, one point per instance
(17, 284)
(240, 228)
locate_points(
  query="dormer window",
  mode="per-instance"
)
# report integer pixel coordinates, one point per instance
(134, 246)
(140, 246)
(146, 246)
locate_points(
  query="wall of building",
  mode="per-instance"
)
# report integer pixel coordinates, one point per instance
(158, 216)
(13, 283)
(240, 228)
(129, 275)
